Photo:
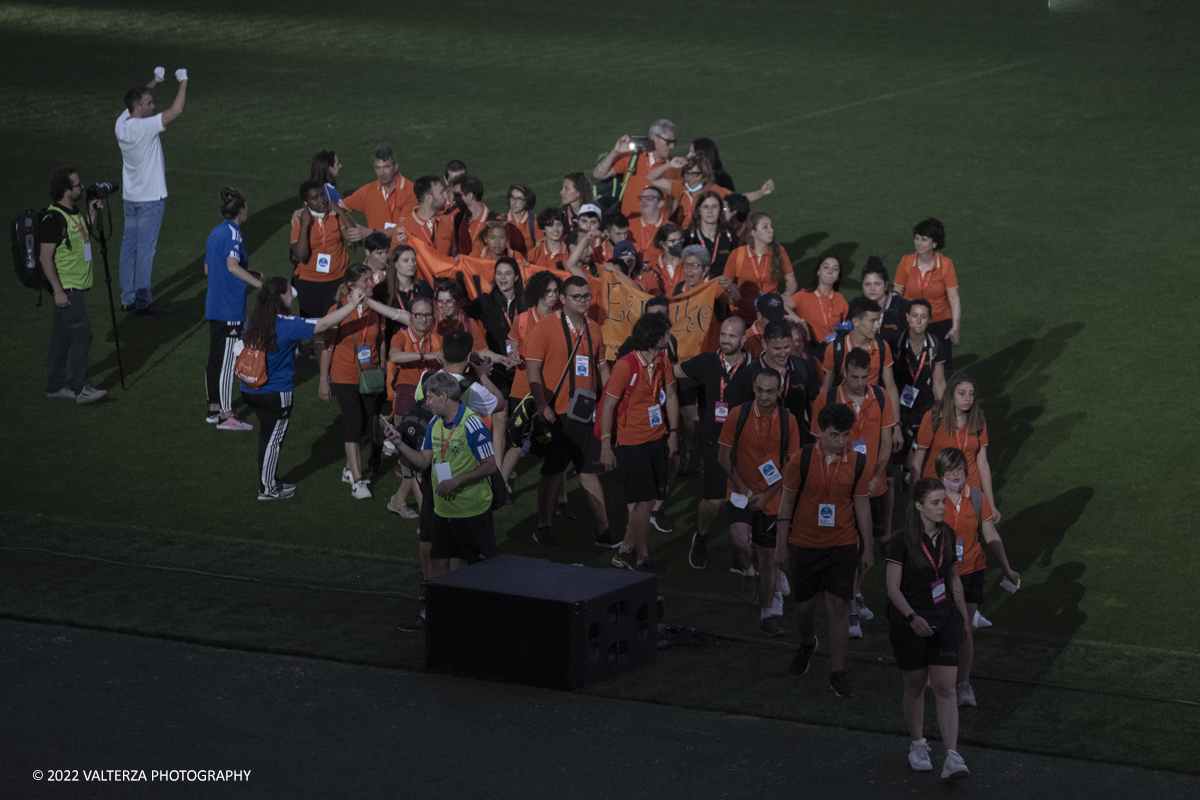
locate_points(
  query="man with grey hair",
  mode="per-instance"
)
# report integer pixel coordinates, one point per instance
(634, 160)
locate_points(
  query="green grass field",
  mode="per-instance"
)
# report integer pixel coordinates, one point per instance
(1059, 150)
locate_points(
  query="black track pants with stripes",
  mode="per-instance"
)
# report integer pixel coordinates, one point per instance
(274, 410)
(218, 378)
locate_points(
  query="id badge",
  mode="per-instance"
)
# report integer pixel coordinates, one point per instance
(512, 346)
(721, 411)
(770, 473)
(87, 251)
(860, 446)
(831, 337)
(387, 226)
(581, 366)
(364, 354)
(826, 515)
(939, 591)
(323, 262)
(958, 549)
(908, 396)
(442, 471)
(655, 415)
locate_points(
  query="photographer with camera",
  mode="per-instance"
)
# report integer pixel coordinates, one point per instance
(633, 157)
(66, 259)
(144, 175)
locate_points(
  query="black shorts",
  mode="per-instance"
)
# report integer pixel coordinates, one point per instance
(823, 569)
(357, 410)
(468, 539)
(715, 479)
(762, 526)
(565, 449)
(972, 584)
(316, 297)
(910, 423)
(916, 652)
(643, 468)
(689, 396)
(878, 515)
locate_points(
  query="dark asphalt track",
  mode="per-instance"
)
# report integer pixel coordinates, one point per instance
(75, 699)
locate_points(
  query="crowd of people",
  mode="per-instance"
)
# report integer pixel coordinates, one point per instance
(800, 418)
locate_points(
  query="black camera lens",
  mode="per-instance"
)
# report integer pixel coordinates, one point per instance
(101, 191)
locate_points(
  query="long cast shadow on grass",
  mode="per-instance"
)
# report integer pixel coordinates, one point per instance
(142, 338)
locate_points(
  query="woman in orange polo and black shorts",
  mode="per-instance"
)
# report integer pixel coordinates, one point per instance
(760, 266)
(929, 274)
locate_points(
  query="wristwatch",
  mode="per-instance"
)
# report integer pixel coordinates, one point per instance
(910, 617)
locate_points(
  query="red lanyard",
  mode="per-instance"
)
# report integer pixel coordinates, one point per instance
(321, 224)
(923, 285)
(827, 316)
(758, 422)
(961, 437)
(507, 318)
(390, 199)
(826, 476)
(860, 416)
(446, 438)
(733, 371)
(941, 554)
(75, 221)
(949, 505)
(755, 263)
(917, 372)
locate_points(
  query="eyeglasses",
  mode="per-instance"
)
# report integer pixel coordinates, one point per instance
(665, 140)
(415, 315)
(584, 296)
(449, 302)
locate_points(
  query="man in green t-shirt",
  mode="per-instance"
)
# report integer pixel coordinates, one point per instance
(458, 450)
(66, 259)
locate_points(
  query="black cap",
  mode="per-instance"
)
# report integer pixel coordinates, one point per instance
(770, 305)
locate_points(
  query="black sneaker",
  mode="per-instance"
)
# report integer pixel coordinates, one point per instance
(660, 521)
(607, 540)
(803, 656)
(698, 555)
(415, 626)
(840, 684)
(563, 510)
(544, 536)
(148, 310)
(646, 565)
(625, 560)
(421, 594)
(772, 626)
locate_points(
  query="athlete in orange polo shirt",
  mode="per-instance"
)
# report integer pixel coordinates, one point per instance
(864, 315)
(425, 223)
(385, 200)
(319, 241)
(642, 413)
(929, 274)
(754, 452)
(644, 225)
(824, 523)
(822, 306)
(552, 252)
(520, 217)
(872, 434)
(969, 527)
(634, 161)
(760, 266)
(413, 350)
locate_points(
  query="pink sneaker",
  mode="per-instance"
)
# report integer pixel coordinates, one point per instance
(234, 424)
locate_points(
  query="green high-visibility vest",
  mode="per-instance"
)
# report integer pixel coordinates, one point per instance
(71, 257)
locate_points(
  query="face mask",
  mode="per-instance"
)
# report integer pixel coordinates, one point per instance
(675, 249)
(694, 188)
(954, 486)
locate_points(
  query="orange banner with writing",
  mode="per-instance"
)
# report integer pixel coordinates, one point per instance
(432, 265)
(692, 320)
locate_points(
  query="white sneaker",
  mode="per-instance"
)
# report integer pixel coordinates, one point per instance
(966, 695)
(89, 395)
(864, 613)
(348, 476)
(954, 768)
(980, 621)
(777, 605)
(855, 627)
(784, 586)
(61, 394)
(360, 490)
(918, 756)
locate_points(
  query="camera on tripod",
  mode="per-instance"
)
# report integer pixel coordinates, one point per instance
(101, 191)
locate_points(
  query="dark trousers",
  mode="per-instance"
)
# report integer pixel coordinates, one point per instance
(274, 410)
(70, 346)
(218, 378)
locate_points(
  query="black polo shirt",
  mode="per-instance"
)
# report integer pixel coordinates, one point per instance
(800, 386)
(710, 371)
(917, 371)
(916, 579)
(894, 320)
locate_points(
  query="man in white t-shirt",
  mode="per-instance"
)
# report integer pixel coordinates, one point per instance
(144, 181)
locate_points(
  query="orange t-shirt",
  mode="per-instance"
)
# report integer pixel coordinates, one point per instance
(406, 341)
(464, 323)
(874, 375)
(541, 258)
(383, 213)
(820, 312)
(869, 421)
(937, 441)
(667, 276)
(325, 239)
(827, 483)
(752, 273)
(361, 329)
(644, 391)
(438, 233)
(759, 443)
(518, 332)
(932, 285)
(961, 517)
(636, 182)
(546, 343)
(642, 234)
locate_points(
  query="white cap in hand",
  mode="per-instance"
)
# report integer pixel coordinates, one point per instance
(159, 73)
(181, 75)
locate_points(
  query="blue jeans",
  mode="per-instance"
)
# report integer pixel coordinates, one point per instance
(142, 221)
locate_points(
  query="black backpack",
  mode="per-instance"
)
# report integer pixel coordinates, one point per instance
(860, 464)
(27, 249)
(840, 352)
(785, 434)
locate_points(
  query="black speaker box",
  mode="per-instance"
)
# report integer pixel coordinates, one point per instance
(533, 621)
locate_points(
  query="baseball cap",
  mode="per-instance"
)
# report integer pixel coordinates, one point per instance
(770, 305)
(590, 208)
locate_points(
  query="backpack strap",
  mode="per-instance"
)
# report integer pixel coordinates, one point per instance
(878, 392)
(743, 416)
(860, 464)
(785, 435)
(839, 355)
(977, 504)
(805, 459)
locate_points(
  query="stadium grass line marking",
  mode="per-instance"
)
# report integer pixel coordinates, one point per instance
(879, 98)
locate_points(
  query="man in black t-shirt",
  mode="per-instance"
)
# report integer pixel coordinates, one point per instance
(715, 372)
(919, 367)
